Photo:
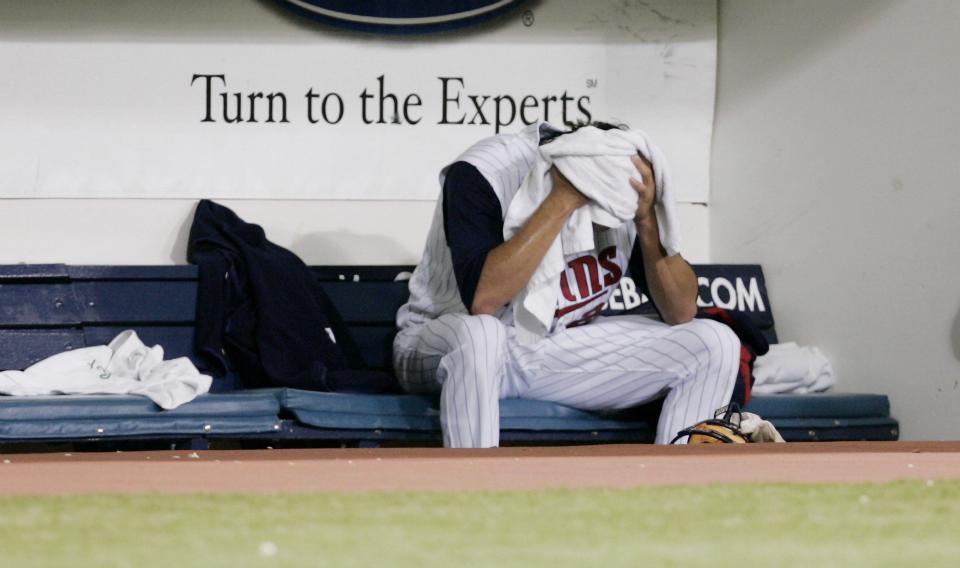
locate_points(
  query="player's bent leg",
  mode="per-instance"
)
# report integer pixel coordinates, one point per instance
(623, 361)
(463, 357)
(612, 363)
(715, 348)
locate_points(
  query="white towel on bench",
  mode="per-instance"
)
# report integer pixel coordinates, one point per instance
(125, 366)
(790, 368)
(597, 163)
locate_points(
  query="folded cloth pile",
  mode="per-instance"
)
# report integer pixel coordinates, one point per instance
(597, 163)
(125, 366)
(790, 368)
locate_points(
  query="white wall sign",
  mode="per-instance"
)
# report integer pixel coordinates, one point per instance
(346, 115)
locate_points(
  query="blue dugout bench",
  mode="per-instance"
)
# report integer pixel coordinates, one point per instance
(46, 309)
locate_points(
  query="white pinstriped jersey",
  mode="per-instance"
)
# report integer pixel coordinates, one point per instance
(504, 161)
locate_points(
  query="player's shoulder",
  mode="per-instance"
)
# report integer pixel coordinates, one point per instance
(504, 159)
(507, 145)
(506, 151)
(523, 142)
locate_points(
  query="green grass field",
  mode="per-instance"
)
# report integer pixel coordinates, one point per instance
(735, 525)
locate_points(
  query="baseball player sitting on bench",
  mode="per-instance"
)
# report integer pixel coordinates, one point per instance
(531, 234)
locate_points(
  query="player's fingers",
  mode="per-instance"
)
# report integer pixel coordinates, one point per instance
(645, 192)
(643, 166)
(638, 185)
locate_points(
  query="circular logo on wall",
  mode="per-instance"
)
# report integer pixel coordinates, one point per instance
(401, 16)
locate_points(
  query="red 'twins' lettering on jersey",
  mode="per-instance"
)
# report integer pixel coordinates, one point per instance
(586, 284)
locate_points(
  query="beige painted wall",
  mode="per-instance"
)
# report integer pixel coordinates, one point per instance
(153, 231)
(138, 231)
(835, 165)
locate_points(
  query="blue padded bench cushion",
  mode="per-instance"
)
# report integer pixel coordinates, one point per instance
(413, 412)
(837, 429)
(799, 417)
(820, 405)
(108, 416)
(361, 411)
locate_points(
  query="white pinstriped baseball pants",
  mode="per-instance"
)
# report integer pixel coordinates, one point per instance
(610, 363)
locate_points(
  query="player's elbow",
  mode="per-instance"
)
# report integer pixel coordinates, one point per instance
(482, 305)
(681, 314)
(486, 299)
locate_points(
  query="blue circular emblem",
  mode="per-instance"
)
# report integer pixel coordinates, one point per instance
(401, 16)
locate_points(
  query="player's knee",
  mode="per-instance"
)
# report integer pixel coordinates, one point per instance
(717, 340)
(474, 369)
(479, 338)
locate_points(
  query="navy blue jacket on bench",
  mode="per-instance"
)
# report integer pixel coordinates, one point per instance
(260, 308)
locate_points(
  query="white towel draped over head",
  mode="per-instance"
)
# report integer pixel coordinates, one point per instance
(596, 162)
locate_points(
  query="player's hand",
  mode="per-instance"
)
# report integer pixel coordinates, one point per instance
(563, 190)
(646, 188)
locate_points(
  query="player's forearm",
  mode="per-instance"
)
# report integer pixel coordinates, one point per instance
(671, 281)
(509, 266)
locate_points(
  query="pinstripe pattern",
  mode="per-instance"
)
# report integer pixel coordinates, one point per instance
(610, 363)
(623, 361)
(504, 161)
(464, 358)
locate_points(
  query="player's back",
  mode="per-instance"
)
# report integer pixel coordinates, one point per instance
(504, 161)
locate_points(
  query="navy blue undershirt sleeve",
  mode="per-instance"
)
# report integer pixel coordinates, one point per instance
(635, 267)
(472, 223)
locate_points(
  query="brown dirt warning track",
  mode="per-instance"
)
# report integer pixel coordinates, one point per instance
(393, 469)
